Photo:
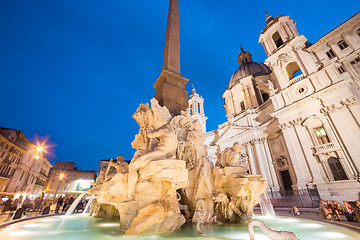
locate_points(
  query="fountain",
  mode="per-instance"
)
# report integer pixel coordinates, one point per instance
(170, 181)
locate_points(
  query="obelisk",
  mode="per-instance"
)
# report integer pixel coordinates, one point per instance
(170, 86)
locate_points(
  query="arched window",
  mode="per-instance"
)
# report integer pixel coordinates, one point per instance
(277, 39)
(358, 32)
(293, 70)
(336, 169)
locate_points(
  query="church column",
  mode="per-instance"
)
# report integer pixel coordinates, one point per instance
(295, 155)
(261, 157)
(279, 75)
(252, 163)
(306, 145)
(347, 133)
(270, 163)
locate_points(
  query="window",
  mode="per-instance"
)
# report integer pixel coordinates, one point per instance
(53, 180)
(2, 154)
(356, 64)
(336, 169)
(330, 54)
(342, 44)
(242, 105)
(64, 188)
(50, 187)
(277, 40)
(22, 175)
(6, 146)
(293, 70)
(67, 181)
(358, 32)
(341, 70)
(75, 176)
(321, 135)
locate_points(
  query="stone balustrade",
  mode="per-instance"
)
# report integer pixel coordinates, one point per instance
(296, 79)
(324, 148)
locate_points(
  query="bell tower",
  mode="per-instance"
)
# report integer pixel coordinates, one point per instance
(170, 86)
(196, 108)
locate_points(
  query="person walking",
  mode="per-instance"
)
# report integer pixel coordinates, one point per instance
(66, 203)
(59, 203)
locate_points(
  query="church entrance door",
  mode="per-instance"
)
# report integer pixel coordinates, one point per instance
(287, 183)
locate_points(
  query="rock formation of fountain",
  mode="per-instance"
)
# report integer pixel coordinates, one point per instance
(170, 180)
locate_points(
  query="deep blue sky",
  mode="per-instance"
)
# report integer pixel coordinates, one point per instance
(78, 69)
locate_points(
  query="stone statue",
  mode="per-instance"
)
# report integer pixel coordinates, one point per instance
(226, 210)
(120, 166)
(272, 234)
(232, 157)
(165, 148)
(171, 161)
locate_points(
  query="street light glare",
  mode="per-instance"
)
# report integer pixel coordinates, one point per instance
(39, 149)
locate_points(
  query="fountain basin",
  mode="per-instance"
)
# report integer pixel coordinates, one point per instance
(83, 227)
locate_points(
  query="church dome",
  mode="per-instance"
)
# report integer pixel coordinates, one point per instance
(248, 68)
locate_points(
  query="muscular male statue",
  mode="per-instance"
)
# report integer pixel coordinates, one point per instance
(167, 143)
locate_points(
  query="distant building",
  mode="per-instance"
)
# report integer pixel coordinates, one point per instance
(65, 179)
(23, 169)
(297, 115)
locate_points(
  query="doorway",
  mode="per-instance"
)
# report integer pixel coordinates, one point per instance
(287, 183)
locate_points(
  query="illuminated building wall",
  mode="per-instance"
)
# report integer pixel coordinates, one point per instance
(22, 169)
(66, 179)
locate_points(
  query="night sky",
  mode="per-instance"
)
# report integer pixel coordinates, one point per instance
(78, 69)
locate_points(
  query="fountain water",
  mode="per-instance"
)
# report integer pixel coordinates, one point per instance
(266, 206)
(74, 204)
(86, 211)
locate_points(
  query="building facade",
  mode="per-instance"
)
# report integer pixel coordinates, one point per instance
(297, 115)
(65, 179)
(23, 169)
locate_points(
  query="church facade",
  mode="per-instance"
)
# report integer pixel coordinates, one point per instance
(297, 116)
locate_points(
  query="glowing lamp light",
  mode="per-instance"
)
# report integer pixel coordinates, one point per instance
(37, 157)
(39, 149)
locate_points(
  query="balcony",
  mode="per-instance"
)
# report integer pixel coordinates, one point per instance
(296, 79)
(328, 147)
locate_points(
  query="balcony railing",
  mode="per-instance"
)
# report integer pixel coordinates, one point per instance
(296, 79)
(328, 147)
